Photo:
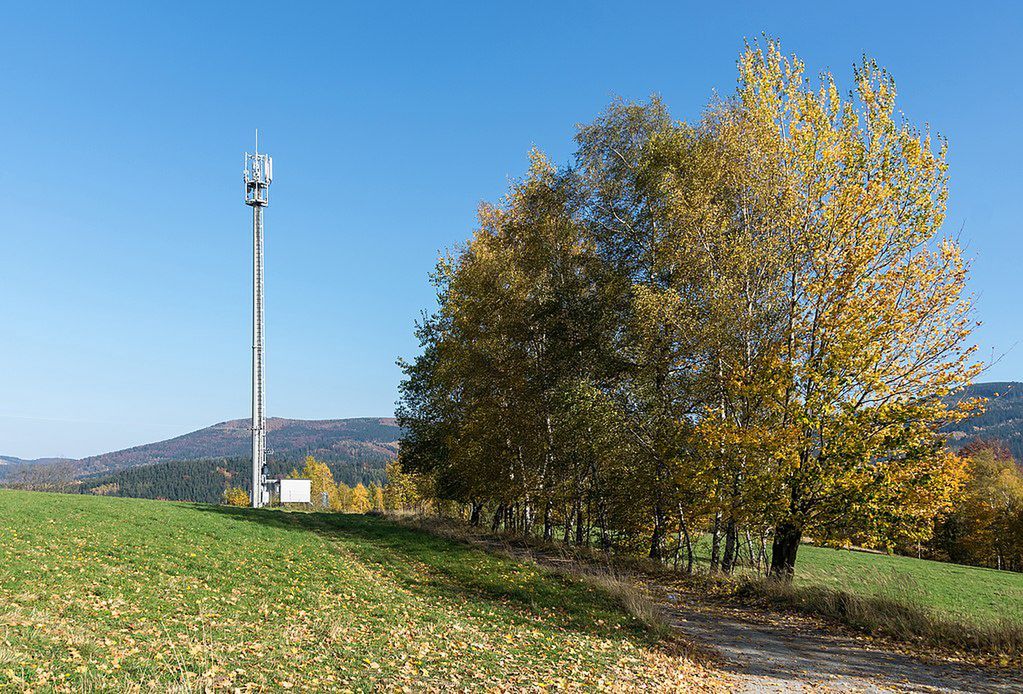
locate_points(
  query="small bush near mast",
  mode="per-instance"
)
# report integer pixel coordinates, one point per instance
(235, 496)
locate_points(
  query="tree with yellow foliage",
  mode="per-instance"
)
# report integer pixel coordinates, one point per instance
(844, 201)
(754, 321)
(361, 501)
(401, 492)
(235, 496)
(321, 484)
(376, 497)
(344, 496)
(986, 526)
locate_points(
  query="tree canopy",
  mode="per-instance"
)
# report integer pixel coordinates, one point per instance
(749, 324)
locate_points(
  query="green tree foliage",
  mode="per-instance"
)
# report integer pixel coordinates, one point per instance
(750, 324)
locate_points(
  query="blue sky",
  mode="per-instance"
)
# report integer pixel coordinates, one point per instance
(125, 244)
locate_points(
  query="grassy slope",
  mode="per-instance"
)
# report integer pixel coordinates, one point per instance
(106, 593)
(953, 590)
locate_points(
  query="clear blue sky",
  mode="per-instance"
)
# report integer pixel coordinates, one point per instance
(125, 245)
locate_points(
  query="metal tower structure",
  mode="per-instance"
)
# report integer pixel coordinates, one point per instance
(257, 174)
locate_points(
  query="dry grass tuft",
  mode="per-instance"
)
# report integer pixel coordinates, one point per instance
(8, 656)
(624, 591)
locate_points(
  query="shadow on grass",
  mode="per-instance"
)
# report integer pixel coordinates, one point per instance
(443, 568)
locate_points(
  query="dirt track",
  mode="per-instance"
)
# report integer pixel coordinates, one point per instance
(790, 653)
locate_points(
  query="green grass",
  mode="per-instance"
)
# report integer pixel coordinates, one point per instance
(100, 594)
(952, 591)
(969, 593)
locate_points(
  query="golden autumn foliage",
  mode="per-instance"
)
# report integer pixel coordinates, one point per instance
(986, 526)
(400, 492)
(361, 501)
(323, 491)
(842, 202)
(750, 324)
(235, 496)
(403, 491)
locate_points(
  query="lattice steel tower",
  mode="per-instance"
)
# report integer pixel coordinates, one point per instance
(258, 174)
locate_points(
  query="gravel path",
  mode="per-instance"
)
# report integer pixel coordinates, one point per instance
(791, 653)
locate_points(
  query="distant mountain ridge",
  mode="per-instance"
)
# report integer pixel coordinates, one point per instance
(287, 439)
(11, 460)
(1001, 420)
(198, 465)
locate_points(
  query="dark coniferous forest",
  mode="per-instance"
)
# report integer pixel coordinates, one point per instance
(204, 481)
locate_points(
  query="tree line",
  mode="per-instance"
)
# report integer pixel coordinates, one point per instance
(746, 326)
(202, 481)
(985, 525)
(328, 495)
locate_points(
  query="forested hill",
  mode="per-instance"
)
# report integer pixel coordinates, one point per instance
(198, 466)
(342, 440)
(1003, 418)
(205, 480)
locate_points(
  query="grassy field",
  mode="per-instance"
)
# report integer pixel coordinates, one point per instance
(129, 595)
(960, 592)
(954, 591)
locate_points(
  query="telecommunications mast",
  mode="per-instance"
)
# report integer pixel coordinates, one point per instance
(258, 173)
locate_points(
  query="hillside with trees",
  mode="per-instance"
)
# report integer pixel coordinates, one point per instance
(347, 440)
(367, 442)
(1001, 420)
(199, 466)
(206, 480)
(749, 326)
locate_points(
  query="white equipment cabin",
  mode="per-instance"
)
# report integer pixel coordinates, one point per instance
(290, 491)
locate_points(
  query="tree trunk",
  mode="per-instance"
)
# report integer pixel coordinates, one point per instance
(715, 544)
(762, 552)
(589, 523)
(688, 540)
(730, 557)
(548, 524)
(657, 537)
(498, 515)
(749, 549)
(474, 517)
(678, 546)
(783, 551)
(605, 540)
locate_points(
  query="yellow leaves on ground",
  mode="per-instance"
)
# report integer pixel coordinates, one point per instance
(320, 603)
